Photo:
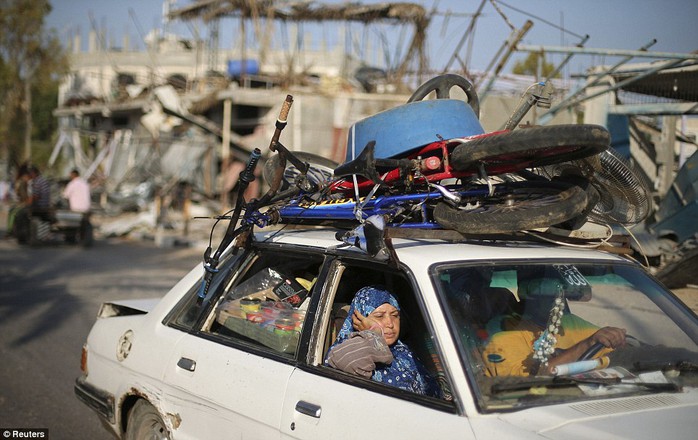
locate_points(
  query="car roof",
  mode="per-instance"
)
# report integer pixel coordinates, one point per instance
(422, 252)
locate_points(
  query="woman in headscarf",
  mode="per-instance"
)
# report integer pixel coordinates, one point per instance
(368, 345)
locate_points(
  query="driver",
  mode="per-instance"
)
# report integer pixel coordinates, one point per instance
(516, 351)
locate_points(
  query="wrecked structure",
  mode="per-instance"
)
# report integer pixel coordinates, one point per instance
(179, 118)
(141, 123)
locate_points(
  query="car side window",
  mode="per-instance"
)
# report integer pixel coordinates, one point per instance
(413, 334)
(267, 305)
(189, 309)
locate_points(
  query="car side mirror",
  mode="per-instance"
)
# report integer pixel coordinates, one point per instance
(369, 237)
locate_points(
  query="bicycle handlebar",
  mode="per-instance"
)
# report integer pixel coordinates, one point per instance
(211, 262)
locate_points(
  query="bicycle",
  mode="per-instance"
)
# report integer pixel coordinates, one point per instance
(413, 175)
(405, 178)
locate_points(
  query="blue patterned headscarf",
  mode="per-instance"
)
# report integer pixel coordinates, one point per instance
(405, 371)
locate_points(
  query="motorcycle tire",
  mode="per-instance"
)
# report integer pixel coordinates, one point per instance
(510, 151)
(86, 235)
(593, 198)
(321, 169)
(515, 206)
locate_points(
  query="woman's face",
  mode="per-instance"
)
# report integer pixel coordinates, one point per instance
(389, 318)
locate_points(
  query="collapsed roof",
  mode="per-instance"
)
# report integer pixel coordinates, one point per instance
(680, 83)
(407, 13)
(303, 11)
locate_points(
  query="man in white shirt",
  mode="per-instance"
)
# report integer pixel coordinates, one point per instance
(77, 191)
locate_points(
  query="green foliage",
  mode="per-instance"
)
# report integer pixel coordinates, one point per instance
(529, 66)
(29, 53)
(44, 99)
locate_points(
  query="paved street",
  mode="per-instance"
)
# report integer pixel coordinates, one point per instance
(49, 297)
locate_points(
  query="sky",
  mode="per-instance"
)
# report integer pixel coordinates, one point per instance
(610, 24)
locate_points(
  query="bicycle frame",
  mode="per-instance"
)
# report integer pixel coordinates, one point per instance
(432, 164)
(300, 209)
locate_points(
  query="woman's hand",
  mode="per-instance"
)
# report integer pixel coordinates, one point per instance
(362, 322)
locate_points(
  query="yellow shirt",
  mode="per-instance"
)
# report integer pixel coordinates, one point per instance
(510, 353)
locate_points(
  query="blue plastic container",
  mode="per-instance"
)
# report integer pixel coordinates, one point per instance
(235, 67)
(402, 129)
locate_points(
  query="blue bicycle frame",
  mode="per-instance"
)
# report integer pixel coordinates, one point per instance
(300, 209)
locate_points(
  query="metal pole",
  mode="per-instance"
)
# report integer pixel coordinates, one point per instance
(630, 80)
(665, 154)
(512, 46)
(566, 60)
(608, 52)
(562, 105)
(225, 150)
(465, 36)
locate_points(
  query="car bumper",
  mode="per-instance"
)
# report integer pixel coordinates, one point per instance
(99, 400)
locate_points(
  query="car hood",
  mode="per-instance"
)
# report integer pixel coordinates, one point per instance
(127, 307)
(644, 417)
(674, 423)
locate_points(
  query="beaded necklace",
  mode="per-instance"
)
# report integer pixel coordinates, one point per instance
(544, 346)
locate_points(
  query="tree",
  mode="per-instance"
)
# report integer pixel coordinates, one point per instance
(31, 62)
(529, 66)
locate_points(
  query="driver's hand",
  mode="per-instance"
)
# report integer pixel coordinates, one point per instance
(362, 322)
(611, 337)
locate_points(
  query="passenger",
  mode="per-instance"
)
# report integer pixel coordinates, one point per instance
(511, 352)
(368, 345)
(77, 191)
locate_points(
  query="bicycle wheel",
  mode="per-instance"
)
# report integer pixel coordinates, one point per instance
(320, 172)
(515, 206)
(509, 151)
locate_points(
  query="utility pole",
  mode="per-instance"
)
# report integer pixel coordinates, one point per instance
(213, 46)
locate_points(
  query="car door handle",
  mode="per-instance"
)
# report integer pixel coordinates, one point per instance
(309, 409)
(186, 364)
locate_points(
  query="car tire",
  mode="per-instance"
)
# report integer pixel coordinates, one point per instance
(34, 226)
(22, 229)
(144, 422)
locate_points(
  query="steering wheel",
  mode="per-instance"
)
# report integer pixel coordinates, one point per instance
(442, 85)
(594, 349)
(591, 351)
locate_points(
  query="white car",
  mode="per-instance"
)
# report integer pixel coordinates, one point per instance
(227, 366)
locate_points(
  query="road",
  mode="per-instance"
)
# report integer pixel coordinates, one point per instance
(49, 297)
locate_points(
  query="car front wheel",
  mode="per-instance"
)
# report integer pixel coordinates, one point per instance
(144, 423)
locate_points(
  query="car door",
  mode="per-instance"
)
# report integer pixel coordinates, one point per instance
(221, 391)
(227, 380)
(322, 403)
(321, 407)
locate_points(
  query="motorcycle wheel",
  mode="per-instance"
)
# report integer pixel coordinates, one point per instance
(515, 206)
(86, 234)
(509, 151)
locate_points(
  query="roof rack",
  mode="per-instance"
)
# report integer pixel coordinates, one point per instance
(617, 244)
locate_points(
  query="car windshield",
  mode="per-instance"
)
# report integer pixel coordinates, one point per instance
(617, 330)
